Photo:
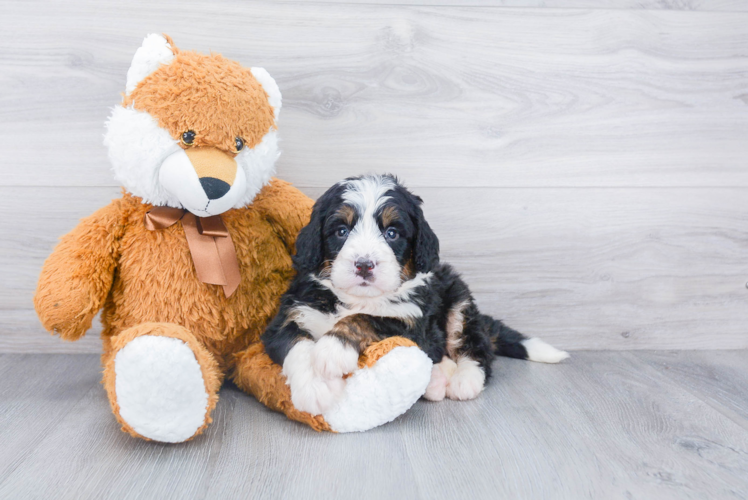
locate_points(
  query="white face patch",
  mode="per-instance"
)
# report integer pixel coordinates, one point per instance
(178, 177)
(150, 164)
(137, 148)
(366, 243)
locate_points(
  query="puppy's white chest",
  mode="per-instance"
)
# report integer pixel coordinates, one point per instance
(315, 322)
(318, 323)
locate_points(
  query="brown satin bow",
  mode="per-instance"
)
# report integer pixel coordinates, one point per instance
(210, 243)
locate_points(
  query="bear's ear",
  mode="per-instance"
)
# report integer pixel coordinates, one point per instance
(267, 82)
(155, 51)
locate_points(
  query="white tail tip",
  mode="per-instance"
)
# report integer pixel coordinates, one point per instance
(539, 351)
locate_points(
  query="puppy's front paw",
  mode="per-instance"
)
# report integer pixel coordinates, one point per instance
(317, 395)
(332, 359)
(437, 387)
(309, 391)
(467, 381)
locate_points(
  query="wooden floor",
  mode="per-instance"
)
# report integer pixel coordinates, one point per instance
(605, 425)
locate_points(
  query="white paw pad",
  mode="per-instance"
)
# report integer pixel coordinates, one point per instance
(332, 358)
(160, 388)
(310, 392)
(467, 381)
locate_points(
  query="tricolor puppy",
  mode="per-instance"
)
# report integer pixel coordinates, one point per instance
(368, 268)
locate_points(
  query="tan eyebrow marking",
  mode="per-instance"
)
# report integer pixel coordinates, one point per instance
(347, 213)
(389, 215)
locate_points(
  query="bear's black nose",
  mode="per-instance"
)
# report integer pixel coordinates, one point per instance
(214, 188)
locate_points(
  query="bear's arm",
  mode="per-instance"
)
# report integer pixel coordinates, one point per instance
(286, 208)
(75, 280)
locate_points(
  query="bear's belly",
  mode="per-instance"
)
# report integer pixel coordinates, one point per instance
(156, 282)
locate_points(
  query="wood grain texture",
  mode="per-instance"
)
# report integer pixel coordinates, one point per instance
(602, 425)
(720, 381)
(443, 96)
(582, 268)
(584, 168)
(36, 392)
(686, 5)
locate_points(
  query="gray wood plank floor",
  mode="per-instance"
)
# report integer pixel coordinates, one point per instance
(631, 424)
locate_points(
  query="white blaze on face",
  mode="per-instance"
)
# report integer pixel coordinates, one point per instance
(366, 242)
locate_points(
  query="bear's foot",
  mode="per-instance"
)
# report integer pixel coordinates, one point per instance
(160, 391)
(394, 375)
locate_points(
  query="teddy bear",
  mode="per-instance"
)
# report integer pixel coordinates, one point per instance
(189, 264)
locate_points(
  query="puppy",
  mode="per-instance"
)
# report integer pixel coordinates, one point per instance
(368, 268)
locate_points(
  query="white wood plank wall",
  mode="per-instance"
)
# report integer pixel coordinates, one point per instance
(584, 163)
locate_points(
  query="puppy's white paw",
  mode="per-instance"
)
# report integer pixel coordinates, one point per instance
(437, 387)
(309, 391)
(440, 375)
(447, 366)
(317, 395)
(331, 358)
(467, 381)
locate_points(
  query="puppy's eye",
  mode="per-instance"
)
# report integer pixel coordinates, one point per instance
(391, 234)
(342, 232)
(188, 137)
(239, 143)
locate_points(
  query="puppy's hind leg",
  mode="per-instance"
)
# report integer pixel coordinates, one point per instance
(469, 344)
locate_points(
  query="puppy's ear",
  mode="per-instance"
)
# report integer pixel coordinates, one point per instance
(309, 251)
(426, 251)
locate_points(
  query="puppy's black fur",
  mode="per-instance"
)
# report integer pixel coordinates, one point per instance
(442, 296)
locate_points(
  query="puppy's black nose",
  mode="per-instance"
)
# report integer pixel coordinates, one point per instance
(364, 267)
(214, 188)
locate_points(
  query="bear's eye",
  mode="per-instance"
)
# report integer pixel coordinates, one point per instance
(239, 143)
(188, 137)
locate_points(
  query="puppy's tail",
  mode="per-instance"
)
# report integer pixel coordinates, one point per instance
(512, 344)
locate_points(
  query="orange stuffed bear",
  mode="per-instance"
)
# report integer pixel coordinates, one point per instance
(188, 266)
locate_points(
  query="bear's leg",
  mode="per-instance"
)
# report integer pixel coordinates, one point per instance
(256, 374)
(392, 376)
(161, 382)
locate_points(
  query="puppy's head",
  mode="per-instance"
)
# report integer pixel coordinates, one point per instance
(367, 235)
